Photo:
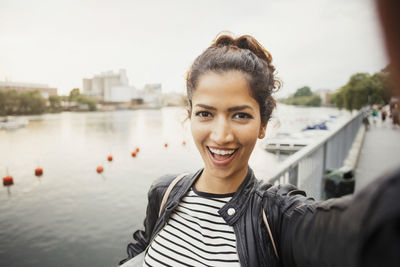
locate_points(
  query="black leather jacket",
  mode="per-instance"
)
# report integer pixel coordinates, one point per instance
(306, 232)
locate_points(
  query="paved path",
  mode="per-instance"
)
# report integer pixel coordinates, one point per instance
(379, 153)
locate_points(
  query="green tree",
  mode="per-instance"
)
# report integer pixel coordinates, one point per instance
(303, 91)
(31, 102)
(304, 97)
(85, 100)
(74, 94)
(314, 101)
(9, 102)
(55, 103)
(363, 89)
(338, 100)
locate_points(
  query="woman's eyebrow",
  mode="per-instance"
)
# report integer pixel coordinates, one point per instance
(206, 106)
(231, 109)
(237, 108)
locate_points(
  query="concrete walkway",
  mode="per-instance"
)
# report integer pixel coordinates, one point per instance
(380, 153)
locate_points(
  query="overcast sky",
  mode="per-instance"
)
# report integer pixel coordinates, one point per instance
(319, 43)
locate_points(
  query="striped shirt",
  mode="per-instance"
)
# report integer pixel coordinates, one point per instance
(195, 235)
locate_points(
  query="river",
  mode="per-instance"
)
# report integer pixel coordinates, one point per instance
(73, 216)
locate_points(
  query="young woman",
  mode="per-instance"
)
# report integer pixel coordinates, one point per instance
(214, 217)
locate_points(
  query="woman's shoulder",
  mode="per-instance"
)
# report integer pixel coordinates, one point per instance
(164, 181)
(266, 188)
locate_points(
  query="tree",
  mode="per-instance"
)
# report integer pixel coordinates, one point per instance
(31, 102)
(303, 91)
(363, 89)
(85, 100)
(304, 97)
(74, 94)
(55, 103)
(9, 102)
(314, 101)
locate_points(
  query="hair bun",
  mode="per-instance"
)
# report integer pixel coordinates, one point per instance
(224, 40)
(243, 42)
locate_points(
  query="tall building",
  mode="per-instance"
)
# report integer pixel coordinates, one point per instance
(43, 89)
(109, 87)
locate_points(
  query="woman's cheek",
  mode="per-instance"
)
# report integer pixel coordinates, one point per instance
(199, 132)
(248, 135)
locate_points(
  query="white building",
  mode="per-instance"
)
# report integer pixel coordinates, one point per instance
(109, 87)
(151, 94)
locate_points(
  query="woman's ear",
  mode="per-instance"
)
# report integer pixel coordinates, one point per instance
(263, 128)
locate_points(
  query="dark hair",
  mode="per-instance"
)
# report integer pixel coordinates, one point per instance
(244, 54)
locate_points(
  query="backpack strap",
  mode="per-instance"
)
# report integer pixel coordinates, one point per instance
(169, 189)
(269, 232)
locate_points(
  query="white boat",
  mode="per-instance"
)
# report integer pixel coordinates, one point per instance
(291, 142)
(284, 142)
(10, 123)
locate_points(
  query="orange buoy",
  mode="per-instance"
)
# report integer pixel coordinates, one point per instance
(99, 169)
(133, 153)
(166, 145)
(110, 158)
(137, 150)
(8, 180)
(38, 171)
(184, 143)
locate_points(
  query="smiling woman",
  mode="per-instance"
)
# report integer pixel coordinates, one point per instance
(225, 132)
(222, 215)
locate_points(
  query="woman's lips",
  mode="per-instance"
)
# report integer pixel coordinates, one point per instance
(221, 160)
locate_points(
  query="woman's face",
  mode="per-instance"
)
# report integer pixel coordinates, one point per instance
(225, 123)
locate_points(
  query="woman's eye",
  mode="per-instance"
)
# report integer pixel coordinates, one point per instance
(203, 114)
(242, 116)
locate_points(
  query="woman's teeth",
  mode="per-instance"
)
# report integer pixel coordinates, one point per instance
(221, 151)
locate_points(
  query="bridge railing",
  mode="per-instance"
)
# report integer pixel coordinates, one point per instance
(306, 168)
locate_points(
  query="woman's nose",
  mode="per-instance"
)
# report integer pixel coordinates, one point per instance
(221, 132)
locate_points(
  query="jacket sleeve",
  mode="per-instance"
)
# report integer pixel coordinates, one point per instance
(141, 237)
(337, 232)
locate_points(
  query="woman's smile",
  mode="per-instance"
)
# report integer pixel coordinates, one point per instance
(221, 156)
(225, 123)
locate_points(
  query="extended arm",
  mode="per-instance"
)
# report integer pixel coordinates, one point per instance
(338, 232)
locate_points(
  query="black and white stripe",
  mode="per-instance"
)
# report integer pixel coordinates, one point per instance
(195, 235)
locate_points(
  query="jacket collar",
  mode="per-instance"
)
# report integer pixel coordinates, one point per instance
(235, 208)
(232, 210)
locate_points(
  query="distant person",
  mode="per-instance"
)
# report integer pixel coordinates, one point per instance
(374, 114)
(383, 115)
(365, 120)
(222, 215)
(395, 116)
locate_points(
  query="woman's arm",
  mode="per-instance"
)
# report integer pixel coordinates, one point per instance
(337, 232)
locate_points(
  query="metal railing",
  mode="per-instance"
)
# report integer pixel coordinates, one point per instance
(306, 168)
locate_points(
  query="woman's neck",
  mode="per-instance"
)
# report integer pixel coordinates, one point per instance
(210, 183)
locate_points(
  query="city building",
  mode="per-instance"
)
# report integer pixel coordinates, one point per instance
(151, 94)
(109, 87)
(325, 95)
(44, 89)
